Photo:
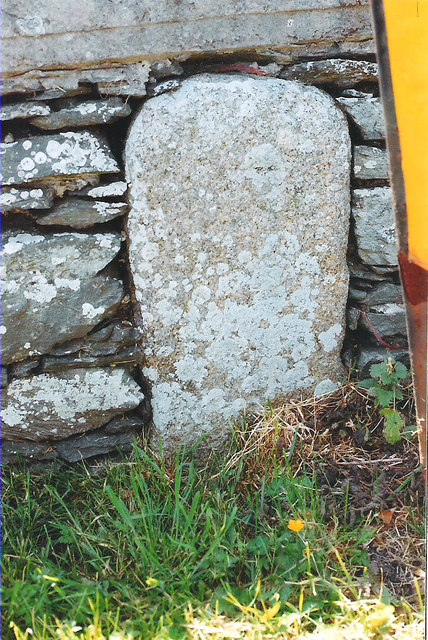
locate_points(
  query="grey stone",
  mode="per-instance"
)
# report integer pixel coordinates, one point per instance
(110, 190)
(344, 73)
(94, 444)
(3, 377)
(82, 114)
(25, 199)
(126, 422)
(23, 110)
(388, 320)
(375, 226)
(165, 68)
(163, 87)
(12, 452)
(383, 293)
(240, 302)
(374, 355)
(370, 163)
(352, 317)
(354, 93)
(57, 406)
(64, 154)
(81, 214)
(24, 368)
(364, 275)
(117, 343)
(367, 114)
(52, 292)
(55, 94)
(81, 36)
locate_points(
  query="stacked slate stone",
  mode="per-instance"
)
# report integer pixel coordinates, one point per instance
(71, 387)
(69, 347)
(376, 315)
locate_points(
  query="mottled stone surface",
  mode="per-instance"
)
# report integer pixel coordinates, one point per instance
(370, 163)
(239, 189)
(375, 226)
(117, 343)
(23, 110)
(63, 154)
(58, 406)
(163, 87)
(3, 378)
(388, 320)
(79, 213)
(52, 291)
(82, 114)
(383, 293)
(344, 73)
(24, 199)
(366, 112)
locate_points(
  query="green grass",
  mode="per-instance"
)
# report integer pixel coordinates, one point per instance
(180, 552)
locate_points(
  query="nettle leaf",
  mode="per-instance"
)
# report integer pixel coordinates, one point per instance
(401, 371)
(384, 397)
(380, 371)
(393, 425)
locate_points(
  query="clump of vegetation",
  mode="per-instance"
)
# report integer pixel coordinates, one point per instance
(386, 386)
(285, 537)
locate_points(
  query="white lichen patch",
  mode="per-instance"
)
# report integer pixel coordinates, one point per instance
(62, 154)
(51, 290)
(47, 406)
(237, 241)
(105, 191)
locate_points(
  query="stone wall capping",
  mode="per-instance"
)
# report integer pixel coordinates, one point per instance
(151, 32)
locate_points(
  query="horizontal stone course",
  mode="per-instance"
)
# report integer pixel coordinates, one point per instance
(72, 153)
(53, 407)
(52, 291)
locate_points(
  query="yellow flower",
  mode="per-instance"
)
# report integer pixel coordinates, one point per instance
(152, 582)
(296, 525)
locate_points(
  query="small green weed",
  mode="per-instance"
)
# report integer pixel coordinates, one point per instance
(385, 385)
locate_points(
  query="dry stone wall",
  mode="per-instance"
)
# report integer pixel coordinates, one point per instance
(79, 315)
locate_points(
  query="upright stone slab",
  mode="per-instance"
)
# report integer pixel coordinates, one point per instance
(238, 231)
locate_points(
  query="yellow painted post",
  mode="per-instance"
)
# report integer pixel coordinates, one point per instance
(401, 28)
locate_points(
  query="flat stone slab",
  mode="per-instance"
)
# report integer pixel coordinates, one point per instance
(375, 226)
(57, 406)
(23, 110)
(367, 113)
(25, 199)
(343, 73)
(111, 190)
(79, 213)
(370, 163)
(83, 114)
(239, 190)
(72, 153)
(52, 291)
